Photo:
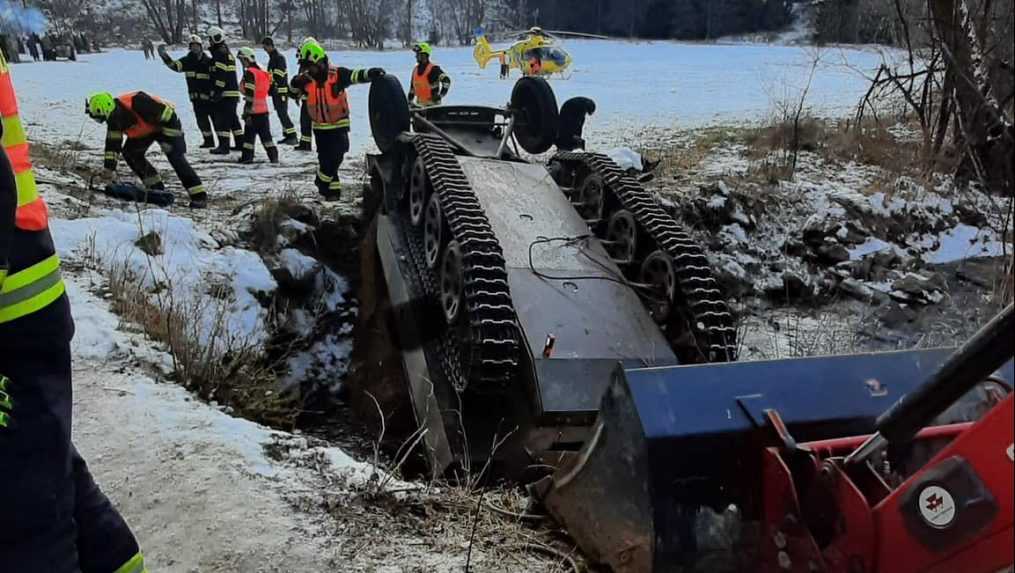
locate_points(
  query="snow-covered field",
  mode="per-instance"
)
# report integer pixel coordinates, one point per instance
(638, 86)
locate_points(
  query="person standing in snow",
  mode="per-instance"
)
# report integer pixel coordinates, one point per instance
(256, 86)
(306, 131)
(33, 48)
(280, 90)
(429, 83)
(572, 123)
(225, 93)
(196, 66)
(53, 516)
(144, 119)
(328, 105)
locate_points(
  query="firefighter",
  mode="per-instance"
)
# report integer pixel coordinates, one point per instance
(53, 516)
(225, 93)
(572, 123)
(429, 83)
(280, 90)
(196, 66)
(256, 86)
(328, 107)
(306, 131)
(144, 120)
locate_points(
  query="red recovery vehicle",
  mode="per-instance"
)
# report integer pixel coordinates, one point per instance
(664, 484)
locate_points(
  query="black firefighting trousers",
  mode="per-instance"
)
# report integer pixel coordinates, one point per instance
(227, 122)
(306, 124)
(256, 126)
(175, 148)
(53, 517)
(281, 104)
(203, 111)
(332, 145)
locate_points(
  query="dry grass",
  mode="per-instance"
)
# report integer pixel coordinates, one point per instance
(214, 363)
(269, 215)
(870, 143)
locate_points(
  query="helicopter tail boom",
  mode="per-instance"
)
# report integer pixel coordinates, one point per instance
(483, 52)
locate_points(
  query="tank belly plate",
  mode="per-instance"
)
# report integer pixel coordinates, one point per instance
(591, 313)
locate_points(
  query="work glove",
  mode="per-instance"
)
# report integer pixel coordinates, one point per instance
(162, 49)
(374, 73)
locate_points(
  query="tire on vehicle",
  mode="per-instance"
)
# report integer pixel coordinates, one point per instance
(534, 99)
(389, 111)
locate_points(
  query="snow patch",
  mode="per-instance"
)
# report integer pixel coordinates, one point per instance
(189, 263)
(962, 242)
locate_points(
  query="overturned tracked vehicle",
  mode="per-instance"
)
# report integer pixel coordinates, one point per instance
(516, 286)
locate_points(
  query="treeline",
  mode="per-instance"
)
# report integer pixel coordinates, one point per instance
(370, 22)
(658, 19)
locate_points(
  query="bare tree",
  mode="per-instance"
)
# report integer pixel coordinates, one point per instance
(168, 17)
(255, 18)
(981, 89)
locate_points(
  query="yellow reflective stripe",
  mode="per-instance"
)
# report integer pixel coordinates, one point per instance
(167, 114)
(177, 65)
(195, 190)
(279, 72)
(117, 135)
(249, 86)
(220, 83)
(201, 76)
(323, 177)
(191, 74)
(172, 132)
(31, 274)
(27, 191)
(325, 126)
(14, 133)
(31, 289)
(134, 565)
(231, 93)
(225, 67)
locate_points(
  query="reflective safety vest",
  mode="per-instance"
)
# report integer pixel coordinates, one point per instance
(35, 287)
(327, 110)
(141, 128)
(421, 84)
(262, 85)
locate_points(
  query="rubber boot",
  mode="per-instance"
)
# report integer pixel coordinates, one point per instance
(199, 201)
(303, 146)
(247, 157)
(222, 149)
(238, 144)
(209, 142)
(273, 154)
(290, 139)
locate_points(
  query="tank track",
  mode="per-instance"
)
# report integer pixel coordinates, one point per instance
(699, 299)
(490, 358)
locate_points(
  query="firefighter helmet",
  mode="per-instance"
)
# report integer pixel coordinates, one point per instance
(195, 39)
(312, 52)
(216, 35)
(99, 106)
(247, 55)
(422, 48)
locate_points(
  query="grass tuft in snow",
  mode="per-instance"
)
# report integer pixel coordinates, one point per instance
(216, 363)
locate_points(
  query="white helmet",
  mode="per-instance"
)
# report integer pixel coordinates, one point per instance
(195, 39)
(247, 54)
(216, 35)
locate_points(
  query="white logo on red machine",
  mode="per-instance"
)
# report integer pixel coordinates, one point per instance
(937, 506)
(1011, 453)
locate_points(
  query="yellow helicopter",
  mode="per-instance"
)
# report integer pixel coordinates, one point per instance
(537, 53)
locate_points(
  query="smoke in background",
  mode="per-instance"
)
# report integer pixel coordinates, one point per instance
(19, 20)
